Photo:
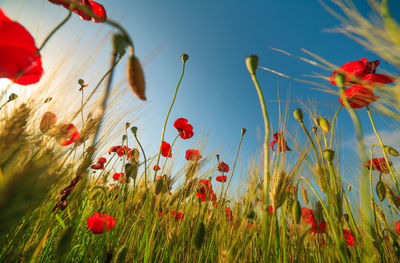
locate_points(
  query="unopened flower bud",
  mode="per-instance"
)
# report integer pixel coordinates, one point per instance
(296, 211)
(324, 124)
(124, 137)
(381, 190)
(134, 130)
(184, 57)
(127, 125)
(252, 64)
(243, 131)
(390, 150)
(81, 82)
(339, 79)
(12, 97)
(120, 43)
(298, 114)
(329, 155)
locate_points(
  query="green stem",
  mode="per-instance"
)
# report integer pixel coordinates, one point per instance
(333, 124)
(312, 143)
(172, 145)
(168, 113)
(55, 29)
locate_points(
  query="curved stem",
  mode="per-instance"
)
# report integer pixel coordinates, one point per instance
(333, 124)
(234, 165)
(55, 29)
(166, 118)
(145, 160)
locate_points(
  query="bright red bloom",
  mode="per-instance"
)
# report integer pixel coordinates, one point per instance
(166, 149)
(282, 145)
(178, 216)
(398, 227)
(116, 176)
(376, 79)
(68, 134)
(229, 214)
(102, 160)
(20, 58)
(48, 121)
(156, 168)
(98, 10)
(359, 96)
(349, 236)
(270, 209)
(159, 214)
(379, 164)
(121, 150)
(184, 128)
(358, 70)
(223, 167)
(159, 177)
(319, 229)
(193, 155)
(307, 215)
(97, 166)
(204, 190)
(100, 223)
(221, 178)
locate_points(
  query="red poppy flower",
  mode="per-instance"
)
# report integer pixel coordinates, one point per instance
(376, 79)
(159, 177)
(398, 227)
(359, 96)
(156, 168)
(360, 70)
(229, 214)
(223, 167)
(97, 166)
(178, 216)
(67, 134)
(166, 149)
(270, 209)
(221, 178)
(378, 164)
(102, 160)
(116, 176)
(204, 190)
(99, 13)
(282, 145)
(349, 236)
(319, 229)
(213, 197)
(184, 128)
(48, 121)
(193, 155)
(307, 215)
(20, 60)
(159, 214)
(100, 223)
(121, 150)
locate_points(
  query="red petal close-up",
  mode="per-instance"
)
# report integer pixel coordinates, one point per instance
(353, 69)
(223, 167)
(204, 190)
(358, 96)
(97, 166)
(221, 178)
(378, 164)
(307, 215)
(193, 155)
(156, 168)
(184, 128)
(349, 237)
(166, 149)
(374, 79)
(20, 59)
(282, 145)
(116, 176)
(398, 227)
(84, 8)
(67, 135)
(100, 223)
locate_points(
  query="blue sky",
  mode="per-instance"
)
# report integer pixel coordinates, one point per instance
(216, 95)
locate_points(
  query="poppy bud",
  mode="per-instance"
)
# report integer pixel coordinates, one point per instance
(390, 150)
(199, 235)
(329, 155)
(134, 130)
(184, 57)
(252, 64)
(298, 114)
(159, 185)
(136, 77)
(217, 157)
(243, 131)
(339, 79)
(48, 100)
(124, 137)
(314, 129)
(81, 82)
(64, 241)
(346, 218)
(120, 43)
(131, 171)
(324, 124)
(381, 190)
(296, 211)
(121, 255)
(127, 125)
(12, 97)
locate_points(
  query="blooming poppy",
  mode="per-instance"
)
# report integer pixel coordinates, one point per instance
(204, 190)
(221, 178)
(282, 145)
(223, 167)
(178, 216)
(67, 134)
(193, 155)
(307, 215)
(361, 70)
(100, 223)
(229, 214)
(184, 128)
(48, 121)
(378, 164)
(102, 160)
(359, 96)
(116, 176)
(97, 166)
(270, 209)
(20, 58)
(349, 237)
(99, 13)
(156, 168)
(318, 228)
(398, 227)
(121, 150)
(166, 149)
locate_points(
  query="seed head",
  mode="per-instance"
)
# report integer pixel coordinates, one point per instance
(298, 114)
(252, 64)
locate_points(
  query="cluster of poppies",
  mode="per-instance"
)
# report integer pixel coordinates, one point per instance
(185, 132)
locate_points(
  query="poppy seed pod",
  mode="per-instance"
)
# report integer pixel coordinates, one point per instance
(136, 77)
(134, 130)
(252, 64)
(390, 150)
(243, 131)
(381, 190)
(329, 155)
(296, 211)
(324, 124)
(12, 97)
(184, 57)
(298, 114)
(81, 82)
